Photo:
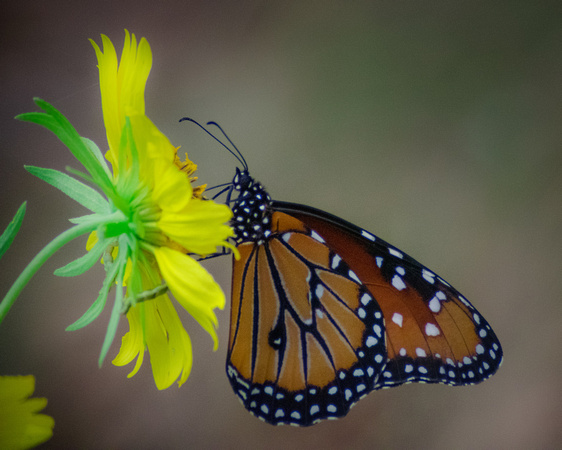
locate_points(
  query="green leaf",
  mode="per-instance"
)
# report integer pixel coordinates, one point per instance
(97, 307)
(11, 230)
(54, 121)
(83, 194)
(82, 264)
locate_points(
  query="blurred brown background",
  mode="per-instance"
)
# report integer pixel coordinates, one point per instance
(436, 125)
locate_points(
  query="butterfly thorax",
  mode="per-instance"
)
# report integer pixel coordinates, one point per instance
(251, 220)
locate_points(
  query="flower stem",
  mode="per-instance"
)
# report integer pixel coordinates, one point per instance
(49, 250)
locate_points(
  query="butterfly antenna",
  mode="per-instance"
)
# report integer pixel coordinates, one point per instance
(236, 154)
(241, 159)
(218, 186)
(225, 187)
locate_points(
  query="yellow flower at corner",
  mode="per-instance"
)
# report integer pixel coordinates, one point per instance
(166, 222)
(21, 425)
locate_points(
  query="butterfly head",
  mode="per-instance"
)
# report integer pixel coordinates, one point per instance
(242, 180)
(251, 220)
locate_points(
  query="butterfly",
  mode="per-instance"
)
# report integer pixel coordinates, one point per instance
(324, 312)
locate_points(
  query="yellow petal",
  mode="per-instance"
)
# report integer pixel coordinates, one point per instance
(134, 69)
(20, 425)
(193, 287)
(132, 344)
(107, 65)
(168, 343)
(172, 190)
(122, 85)
(200, 227)
(155, 325)
(150, 141)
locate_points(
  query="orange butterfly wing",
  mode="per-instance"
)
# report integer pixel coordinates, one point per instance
(433, 334)
(306, 337)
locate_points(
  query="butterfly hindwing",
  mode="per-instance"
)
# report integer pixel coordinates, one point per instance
(307, 337)
(433, 334)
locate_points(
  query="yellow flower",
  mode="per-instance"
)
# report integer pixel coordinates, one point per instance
(21, 426)
(145, 229)
(165, 222)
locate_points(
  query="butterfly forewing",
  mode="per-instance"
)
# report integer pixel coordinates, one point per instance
(433, 334)
(307, 337)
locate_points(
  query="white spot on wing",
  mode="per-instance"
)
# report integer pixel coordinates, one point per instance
(397, 319)
(398, 282)
(434, 305)
(368, 235)
(316, 236)
(429, 276)
(395, 252)
(353, 276)
(336, 261)
(365, 299)
(431, 329)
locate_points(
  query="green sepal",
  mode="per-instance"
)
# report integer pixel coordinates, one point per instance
(54, 121)
(82, 264)
(83, 194)
(83, 219)
(84, 176)
(111, 326)
(117, 306)
(97, 153)
(11, 230)
(97, 307)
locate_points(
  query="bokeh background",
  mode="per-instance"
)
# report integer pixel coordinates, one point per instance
(436, 125)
